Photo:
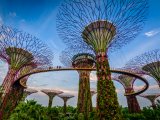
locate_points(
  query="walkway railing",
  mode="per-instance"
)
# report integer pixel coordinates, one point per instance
(60, 68)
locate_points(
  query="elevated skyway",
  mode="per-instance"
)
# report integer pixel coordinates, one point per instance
(18, 82)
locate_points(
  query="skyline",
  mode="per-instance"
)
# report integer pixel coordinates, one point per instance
(40, 21)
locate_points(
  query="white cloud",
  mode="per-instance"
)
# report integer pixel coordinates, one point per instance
(53, 44)
(70, 92)
(151, 33)
(12, 14)
(23, 20)
(150, 87)
(1, 20)
(93, 77)
(153, 87)
(138, 87)
(2, 77)
(117, 91)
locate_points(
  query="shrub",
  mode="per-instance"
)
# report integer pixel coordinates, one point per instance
(52, 112)
(61, 115)
(32, 111)
(71, 118)
(151, 114)
(92, 114)
(80, 116)
(76, 116)
(135, 116)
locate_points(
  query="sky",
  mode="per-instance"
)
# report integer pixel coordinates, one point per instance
(38, 17)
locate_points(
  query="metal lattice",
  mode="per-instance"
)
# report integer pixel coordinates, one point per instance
(146, 64)
(128, 17)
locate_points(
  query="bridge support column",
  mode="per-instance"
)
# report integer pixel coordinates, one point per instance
(84, 96)
(133, 105)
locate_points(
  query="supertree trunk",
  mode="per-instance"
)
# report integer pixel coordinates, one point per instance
(91, 107)
(65, 98)
(51, 93)
(14, 96)
(107, 101)
(64, 107)
(6, 85)
(154, 105)
(84, 96)
(11, 102)
(50, 102)
(133, 105)
(24, 96)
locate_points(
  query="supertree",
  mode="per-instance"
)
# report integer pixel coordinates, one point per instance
(65, 97)
(16, 93)
(20, 49)
(151, 97)
(127, 82)
(93, 91)
(81, 59)
(104, 25)
(51, 93)
(27, 92)
(147, 63)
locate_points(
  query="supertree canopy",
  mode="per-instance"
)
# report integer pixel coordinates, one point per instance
(65, 97)
(151, 97)
(81, 59)
(51, 93)
(121, 20)
(27, 92)
(93, 91)
(20, 49)
(104, 25)
(126, 80)
(147, 63)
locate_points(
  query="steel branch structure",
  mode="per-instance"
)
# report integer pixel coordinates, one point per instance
(126, 81)
(51, 93)
(20, 49)
(147, 64)
(65, 97)
(128, 17)
(104, 26)
(151, 97)
(81, 59)
(93, 91)
(27, 92)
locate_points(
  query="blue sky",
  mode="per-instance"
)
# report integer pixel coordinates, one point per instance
(38, 17)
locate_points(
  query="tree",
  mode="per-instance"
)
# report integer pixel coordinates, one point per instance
(104, 26)
(65, 97)
(51, 93)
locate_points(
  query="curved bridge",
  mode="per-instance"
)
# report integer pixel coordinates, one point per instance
(19, 83)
